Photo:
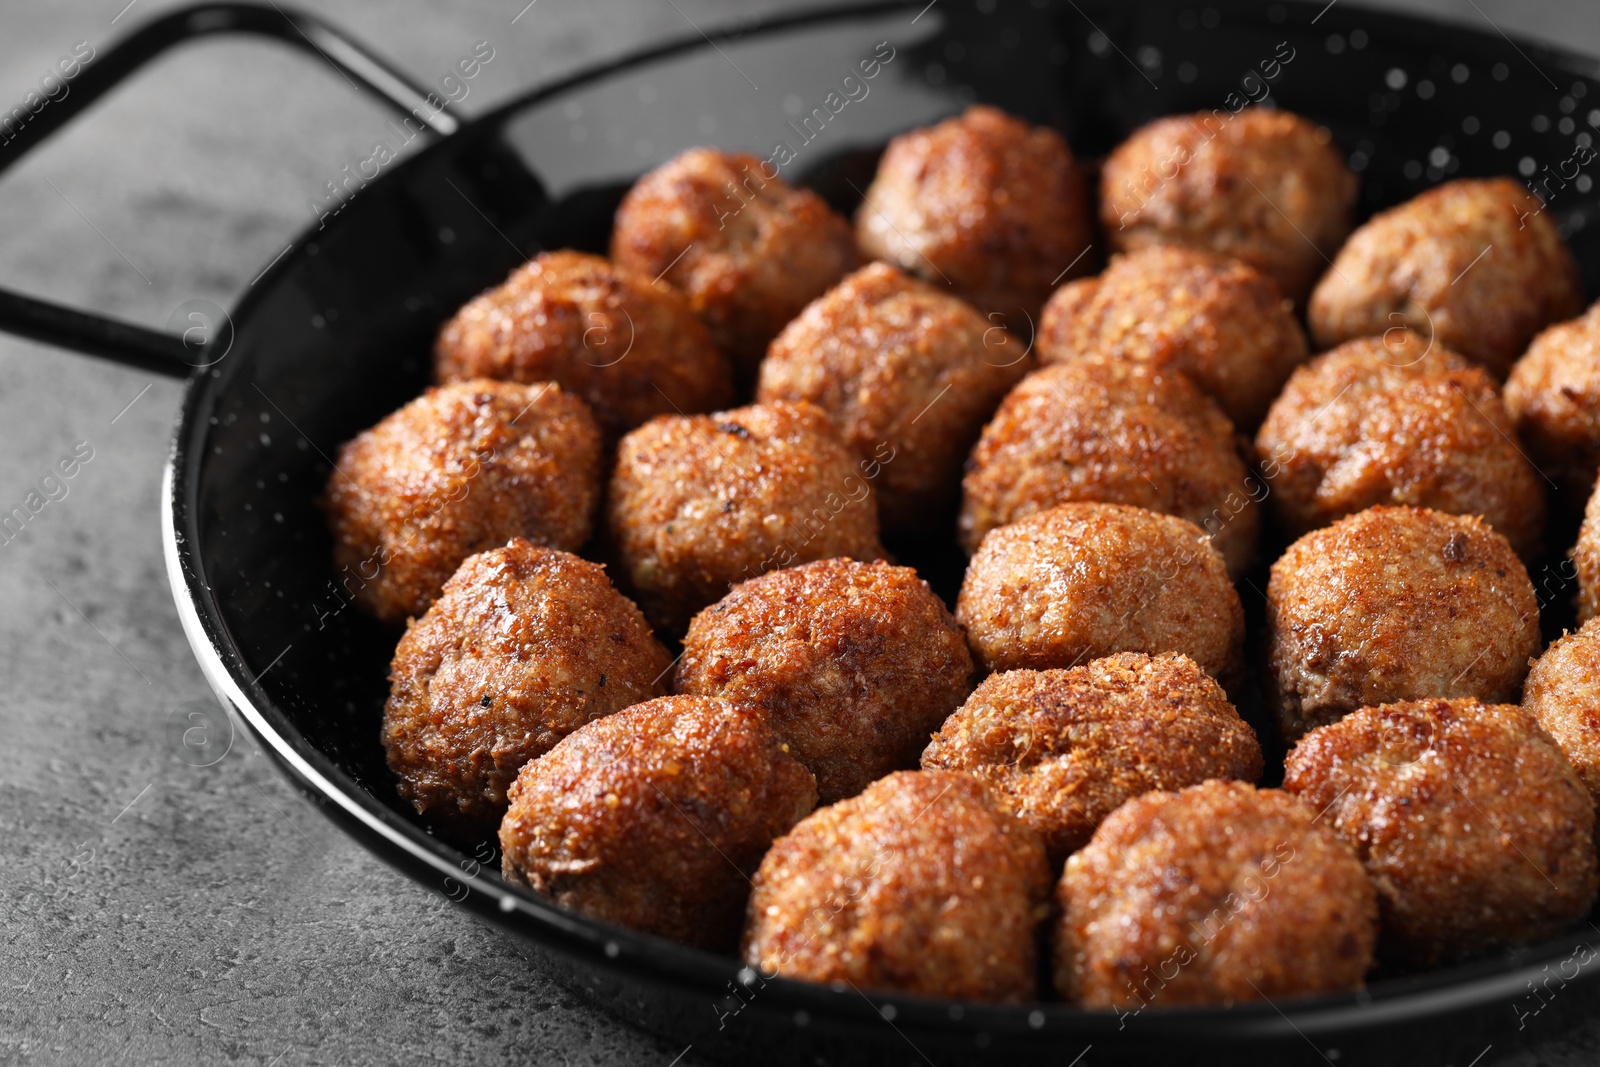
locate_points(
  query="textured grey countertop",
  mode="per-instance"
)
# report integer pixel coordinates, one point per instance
(158, 911)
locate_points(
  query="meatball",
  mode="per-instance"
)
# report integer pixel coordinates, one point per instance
(1062, 749)
(656, 817)
(1083, 581)
(908, 373)
(462, 468)
(854, 663)
(701, 503)
(1216, 894)
(1563, 694)
(1553, 394)
(1117, 432)
(1221, 322)
(918, 885)
(746, 248)
(1396, 604)
(1474, 264)
(1472, 825)
(984, 203)
(1397, 420)
(1262, 185)
(525, 645)
(1586, 560)
(629, 346)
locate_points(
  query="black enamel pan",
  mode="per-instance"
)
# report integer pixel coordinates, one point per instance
(336, 332)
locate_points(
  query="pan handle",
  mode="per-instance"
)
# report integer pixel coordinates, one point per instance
(138, 346)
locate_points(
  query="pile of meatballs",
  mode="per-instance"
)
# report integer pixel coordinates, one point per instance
(1101, 384)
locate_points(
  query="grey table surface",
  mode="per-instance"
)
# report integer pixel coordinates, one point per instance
(155, 911)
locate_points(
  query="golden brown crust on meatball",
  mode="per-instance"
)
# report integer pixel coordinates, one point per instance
(701, 503)
(918, 885)
(854, 663)
(525, 645)
(1062, 749)
(655, 818)
(1264, 186)
(1395, 604)
(1418, 265)
(1216, 894)
(746, 248)
(629, 346)
(1397, 420)
(1083, 581)
(907, 372)
(1116, 432)
(1474, 828)
(984, 203)
(1217, 320)
(1562, 693)
(462, 468)
(1553, 394)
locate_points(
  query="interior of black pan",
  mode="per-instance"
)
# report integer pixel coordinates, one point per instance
(339, 333)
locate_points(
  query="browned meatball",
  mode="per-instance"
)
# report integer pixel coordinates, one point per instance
(1563, 694)
(699, 504)
(1216, 894)
(1473, 264)
(1117, 432)
(629, 346)
(525, 645)
(1586, 559)
(748, 249)
(1220, 321)
(1263, 185)
(985, 204)
(919, 885)
(1553, 394)
(909, 375)
(1062, 749)
(462, 468)
(854, 663)
(656, 817)
(1473, 826)
(1083, 581)
(1397, 420)
(1396, 604)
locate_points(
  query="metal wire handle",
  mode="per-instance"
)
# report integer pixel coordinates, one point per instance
(138, 346)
